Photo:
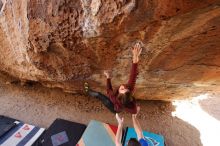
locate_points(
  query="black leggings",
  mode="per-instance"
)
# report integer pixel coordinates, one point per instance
(104, 99)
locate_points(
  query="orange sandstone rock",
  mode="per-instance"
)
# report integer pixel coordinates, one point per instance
(64, 43)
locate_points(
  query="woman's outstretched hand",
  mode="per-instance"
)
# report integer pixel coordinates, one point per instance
(119, 119)
(136, 50)
(118, 136)
(107, 74)
(138, 110)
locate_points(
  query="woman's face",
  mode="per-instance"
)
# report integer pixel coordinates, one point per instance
(122, 89)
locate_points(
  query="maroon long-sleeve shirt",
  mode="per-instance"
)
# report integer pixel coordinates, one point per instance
(131, 108)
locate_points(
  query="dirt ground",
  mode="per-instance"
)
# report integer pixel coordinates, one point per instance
(38, 105)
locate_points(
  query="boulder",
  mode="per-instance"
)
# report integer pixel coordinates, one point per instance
(63, 43)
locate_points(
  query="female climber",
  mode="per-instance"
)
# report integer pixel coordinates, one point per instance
(122, 98)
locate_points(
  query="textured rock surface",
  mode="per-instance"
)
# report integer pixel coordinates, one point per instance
(62, 43)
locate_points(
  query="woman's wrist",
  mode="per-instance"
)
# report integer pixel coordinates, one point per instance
(135, 59)
(120, 125)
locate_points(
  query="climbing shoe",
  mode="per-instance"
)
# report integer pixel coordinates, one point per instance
(86, 87)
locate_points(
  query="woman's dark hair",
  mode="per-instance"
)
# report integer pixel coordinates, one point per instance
(125, 98)
(133, 142)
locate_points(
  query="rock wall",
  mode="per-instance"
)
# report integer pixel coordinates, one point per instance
(62, 43)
